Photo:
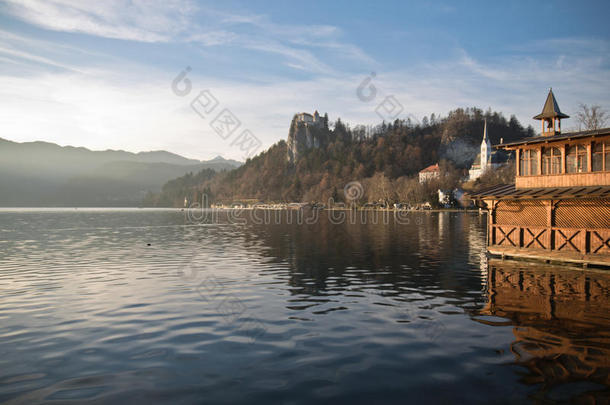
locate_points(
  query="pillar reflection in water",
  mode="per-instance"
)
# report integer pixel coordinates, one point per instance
(561, 323)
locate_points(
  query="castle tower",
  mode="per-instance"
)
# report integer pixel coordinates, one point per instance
(550, 115)
(485, 150)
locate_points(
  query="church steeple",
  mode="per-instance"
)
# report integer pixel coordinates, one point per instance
(485, 138)
(485, 148)
(550, 115)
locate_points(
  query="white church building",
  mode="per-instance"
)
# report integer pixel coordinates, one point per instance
(486, 159)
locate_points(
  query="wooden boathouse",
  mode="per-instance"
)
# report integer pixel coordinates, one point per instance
(558, 209)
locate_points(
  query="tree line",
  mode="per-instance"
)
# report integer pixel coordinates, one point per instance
(385, 159)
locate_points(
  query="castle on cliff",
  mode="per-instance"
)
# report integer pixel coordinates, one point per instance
(306, 131)
(309, 119)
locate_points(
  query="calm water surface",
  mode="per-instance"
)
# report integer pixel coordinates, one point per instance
(142, 306)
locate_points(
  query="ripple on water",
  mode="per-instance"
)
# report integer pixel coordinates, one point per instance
(89, 312)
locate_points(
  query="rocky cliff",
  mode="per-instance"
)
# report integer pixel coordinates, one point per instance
(306, 131)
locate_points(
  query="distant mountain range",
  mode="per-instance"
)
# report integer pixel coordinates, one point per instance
(46, 174)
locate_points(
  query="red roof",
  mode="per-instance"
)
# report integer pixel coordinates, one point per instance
(431, 168)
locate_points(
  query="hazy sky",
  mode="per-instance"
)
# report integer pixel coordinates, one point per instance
(99, 73)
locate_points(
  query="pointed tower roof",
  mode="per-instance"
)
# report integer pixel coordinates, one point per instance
(550, 109)
(485, 138)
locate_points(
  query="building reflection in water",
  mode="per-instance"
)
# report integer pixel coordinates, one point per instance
(477, 246)
(561, 324)
(560, 317)
(429, 251)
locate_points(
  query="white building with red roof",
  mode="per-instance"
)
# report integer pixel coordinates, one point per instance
(429, 173)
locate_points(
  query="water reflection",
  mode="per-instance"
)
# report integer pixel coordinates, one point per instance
(101, 306)
(561, 325)
(430, 253)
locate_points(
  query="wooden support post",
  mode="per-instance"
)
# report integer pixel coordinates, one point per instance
(587, 248)
(520, 241)
(550, 207)
(491, 220)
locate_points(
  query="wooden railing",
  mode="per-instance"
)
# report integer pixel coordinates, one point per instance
(576, 240)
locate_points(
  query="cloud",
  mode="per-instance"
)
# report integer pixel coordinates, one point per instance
(179, 21)
(136, 20)
(303, 58)
(288, 31)
(297, 42)
(15, 56)
(213, 38)
(30, 56)
(481, 70)
(514, 84)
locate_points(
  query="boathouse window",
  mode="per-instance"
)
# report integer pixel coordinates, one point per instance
(576, 159)
(597, 157)
(600, 156)
(528, 162)
(551, 161)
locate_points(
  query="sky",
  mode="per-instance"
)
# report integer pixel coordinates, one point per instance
(106, 74)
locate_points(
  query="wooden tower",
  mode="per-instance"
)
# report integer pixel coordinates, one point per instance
(551, 116)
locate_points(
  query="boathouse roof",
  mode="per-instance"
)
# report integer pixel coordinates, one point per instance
(509, 192)
(558, 137)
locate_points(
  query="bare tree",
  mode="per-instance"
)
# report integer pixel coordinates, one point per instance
(409, 190)
(379, 188)
(593, 117)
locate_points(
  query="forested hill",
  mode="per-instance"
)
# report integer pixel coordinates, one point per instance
(386, 157)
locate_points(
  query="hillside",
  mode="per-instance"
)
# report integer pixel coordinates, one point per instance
(46, 174)
(384, 159)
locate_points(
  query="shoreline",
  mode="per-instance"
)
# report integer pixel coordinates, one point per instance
(118, 209)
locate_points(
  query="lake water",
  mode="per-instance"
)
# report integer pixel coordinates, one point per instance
(154, 306)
